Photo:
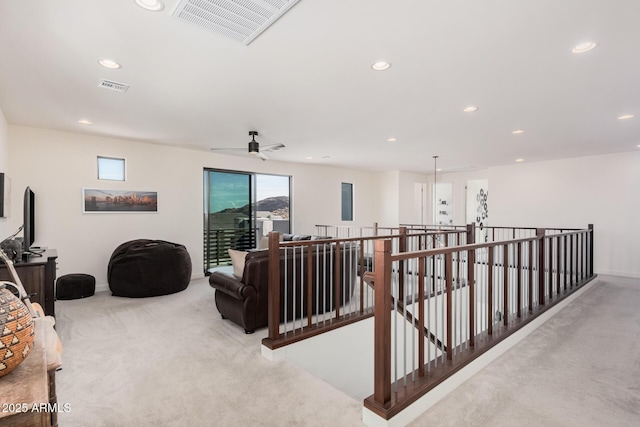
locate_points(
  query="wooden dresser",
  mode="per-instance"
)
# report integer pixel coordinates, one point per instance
(38, 276)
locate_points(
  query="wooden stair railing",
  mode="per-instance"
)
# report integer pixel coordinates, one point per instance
(369, 279)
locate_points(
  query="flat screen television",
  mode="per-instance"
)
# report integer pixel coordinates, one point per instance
(29, 220)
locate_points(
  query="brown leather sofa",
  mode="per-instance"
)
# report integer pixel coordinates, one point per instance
(245, 301)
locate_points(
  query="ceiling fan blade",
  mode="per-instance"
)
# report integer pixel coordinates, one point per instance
(272, 147)
(262, 156)
(228, 149)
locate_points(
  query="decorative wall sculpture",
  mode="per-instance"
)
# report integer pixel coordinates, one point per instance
(477, 207)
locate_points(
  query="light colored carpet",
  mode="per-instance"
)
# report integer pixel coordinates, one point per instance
(172, 361)
(580, 368)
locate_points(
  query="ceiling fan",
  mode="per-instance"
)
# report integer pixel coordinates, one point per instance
(254, 147)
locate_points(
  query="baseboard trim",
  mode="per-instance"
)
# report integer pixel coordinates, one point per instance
(103, 287)
(273, 355)
(619, 274)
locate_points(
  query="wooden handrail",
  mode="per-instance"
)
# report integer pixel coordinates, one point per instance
(529, 255)
(559, 267)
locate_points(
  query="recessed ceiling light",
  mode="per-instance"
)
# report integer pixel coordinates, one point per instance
(391, 140)
(108, 63)
(381, 65)
(519, 160)
(85, 122)
(625, 117)
(583, 47)
(152, 5)
(517, 132)
(438, 170)
(309, 158)
(470, 109)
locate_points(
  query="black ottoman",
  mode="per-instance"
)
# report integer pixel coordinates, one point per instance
(74, 286)
(147, 268)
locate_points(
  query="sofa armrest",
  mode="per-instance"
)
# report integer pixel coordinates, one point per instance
(227, 283)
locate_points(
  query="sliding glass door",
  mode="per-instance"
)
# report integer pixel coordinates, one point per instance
(239, 208)
(228, 223)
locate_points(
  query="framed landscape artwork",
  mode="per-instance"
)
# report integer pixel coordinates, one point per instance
(105, 201)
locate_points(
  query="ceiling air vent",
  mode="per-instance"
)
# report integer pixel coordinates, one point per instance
(242, 20)
(115, 86)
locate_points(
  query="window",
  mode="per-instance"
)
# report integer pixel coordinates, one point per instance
(239, 209)
(347, 201)
(272, 203)
(110, 168)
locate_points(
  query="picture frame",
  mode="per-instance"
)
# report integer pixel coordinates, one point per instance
(95, 200)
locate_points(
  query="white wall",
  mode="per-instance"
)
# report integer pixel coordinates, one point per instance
(4, 167)
(57, 165)
(601, 190)
(407, 212)
(389, 196)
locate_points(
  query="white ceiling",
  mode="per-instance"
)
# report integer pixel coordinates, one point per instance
(306, 81)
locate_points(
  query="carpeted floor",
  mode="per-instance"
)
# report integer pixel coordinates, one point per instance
(580, 368)
(172, 361)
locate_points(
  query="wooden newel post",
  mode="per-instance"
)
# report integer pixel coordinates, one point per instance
(471, 233)
(402, 247)
(541, 271)
(590, 250)
(403, 239)
(382, 322)
(274, 285)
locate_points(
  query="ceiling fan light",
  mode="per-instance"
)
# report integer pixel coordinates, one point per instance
(254, 147)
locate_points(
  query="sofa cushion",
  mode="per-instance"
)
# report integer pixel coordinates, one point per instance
(295, 237)
(237, 261)
(321, 237)
(298, 237)
(263, 243)
(287, 237)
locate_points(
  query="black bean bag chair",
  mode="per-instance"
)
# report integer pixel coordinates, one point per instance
(147, 268)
